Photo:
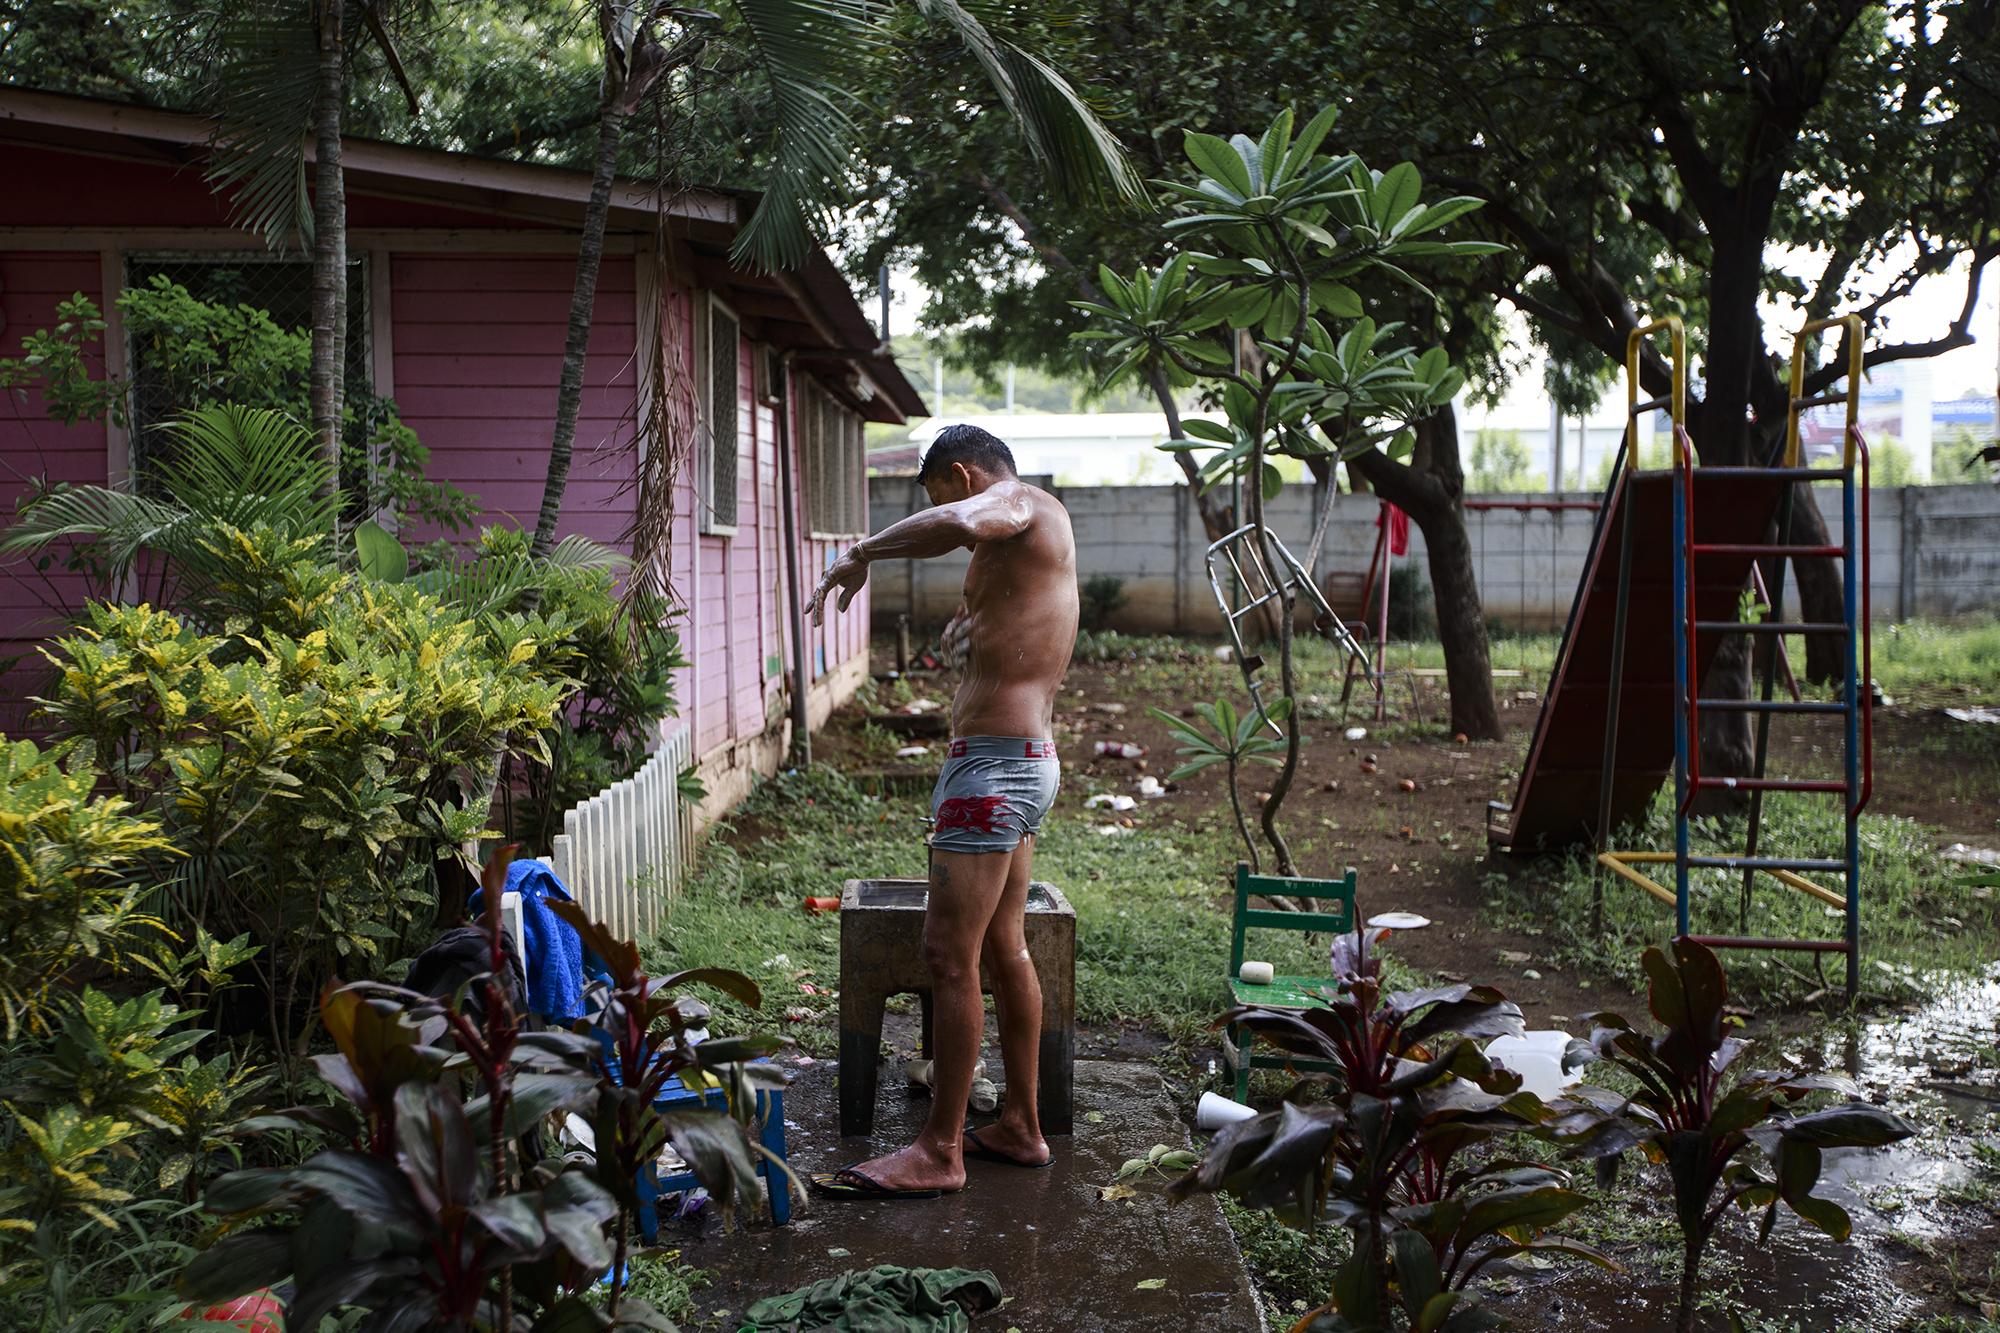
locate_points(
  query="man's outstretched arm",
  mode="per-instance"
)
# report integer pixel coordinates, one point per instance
(930, 532)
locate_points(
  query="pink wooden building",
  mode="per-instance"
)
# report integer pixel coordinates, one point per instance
(461, 275)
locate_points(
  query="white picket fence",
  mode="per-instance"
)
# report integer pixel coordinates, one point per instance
(625, 851)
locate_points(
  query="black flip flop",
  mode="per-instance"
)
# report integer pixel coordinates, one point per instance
(972, 1147)
(849, 1183)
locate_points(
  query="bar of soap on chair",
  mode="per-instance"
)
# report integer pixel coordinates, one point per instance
(1256, 974)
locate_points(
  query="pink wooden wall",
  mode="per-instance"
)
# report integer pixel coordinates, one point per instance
(31, 286)
(476, 350)
(478, 345)
(736, 631)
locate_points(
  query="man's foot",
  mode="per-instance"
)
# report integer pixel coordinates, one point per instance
(916, 1167)
(1001, 1142)
(850, 1183)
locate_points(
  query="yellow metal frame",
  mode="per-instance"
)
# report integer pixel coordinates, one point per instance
(1621, 863)
(1800, 344)
(1676, 403)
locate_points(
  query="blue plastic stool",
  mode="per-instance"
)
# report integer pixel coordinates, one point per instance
(770, 1133)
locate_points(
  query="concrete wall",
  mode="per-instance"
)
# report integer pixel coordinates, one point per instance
(1934, 552)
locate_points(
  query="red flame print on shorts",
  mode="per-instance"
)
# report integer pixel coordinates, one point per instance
(978, 813)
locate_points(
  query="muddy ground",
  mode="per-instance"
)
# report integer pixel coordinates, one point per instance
(1407, 807)
(1414, 826)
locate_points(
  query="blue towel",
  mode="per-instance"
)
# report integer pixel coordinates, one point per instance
(552, 951)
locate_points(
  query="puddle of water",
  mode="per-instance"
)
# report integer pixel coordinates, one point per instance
(1934, 1062)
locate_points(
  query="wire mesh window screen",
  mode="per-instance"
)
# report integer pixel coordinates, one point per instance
(832, 444)
(173, 370)
(849, 477)
(823, 482)
(807, 423)
(724, 386)
(857, 462)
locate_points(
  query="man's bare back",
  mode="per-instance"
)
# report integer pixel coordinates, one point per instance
(1019, 619)
(1018, 622)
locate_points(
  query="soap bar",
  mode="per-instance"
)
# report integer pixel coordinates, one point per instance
(1257, 974)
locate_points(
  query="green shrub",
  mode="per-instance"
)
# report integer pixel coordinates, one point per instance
(312, 770)
(109, 1113)
(1103, 595)
(204, 354)
(67, 888)
(624, 668)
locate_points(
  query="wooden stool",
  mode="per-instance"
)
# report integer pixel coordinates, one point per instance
(882, 954)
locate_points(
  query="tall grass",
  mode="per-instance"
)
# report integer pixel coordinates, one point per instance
(1916, 917)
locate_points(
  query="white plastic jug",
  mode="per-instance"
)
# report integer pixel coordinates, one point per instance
(1537, 1057)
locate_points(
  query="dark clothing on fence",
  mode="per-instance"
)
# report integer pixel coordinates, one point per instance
(885, 1299)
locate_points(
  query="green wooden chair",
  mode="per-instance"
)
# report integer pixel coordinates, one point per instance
(1336, 899)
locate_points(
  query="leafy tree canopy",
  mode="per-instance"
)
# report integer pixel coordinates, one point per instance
(1639, 159)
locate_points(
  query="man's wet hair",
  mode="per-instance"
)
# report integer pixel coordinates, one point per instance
(971, 446)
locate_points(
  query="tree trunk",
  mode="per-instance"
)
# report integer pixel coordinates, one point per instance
(1690, 1270)
(1431, 490)
(329, 290)
(1468, 662)
(1821, 595)
(583, 298)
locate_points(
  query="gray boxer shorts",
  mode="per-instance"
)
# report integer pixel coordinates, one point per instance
(993, 792)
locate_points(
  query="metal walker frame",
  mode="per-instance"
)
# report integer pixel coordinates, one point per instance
(1230, 549)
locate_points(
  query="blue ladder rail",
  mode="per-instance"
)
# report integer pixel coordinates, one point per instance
(1855, 706)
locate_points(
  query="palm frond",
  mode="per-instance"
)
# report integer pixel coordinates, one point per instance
(809, 50)
(233, 466)
(264, 68)
(249, 465)
(489, 586)
(119, 523)
(1062, 131)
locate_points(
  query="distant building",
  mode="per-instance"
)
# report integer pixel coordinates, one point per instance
(1896, 403)
(1122, 448)
(1075, 448)
(1588, 440)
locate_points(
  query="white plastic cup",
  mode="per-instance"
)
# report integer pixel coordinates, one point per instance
(1213, 1112)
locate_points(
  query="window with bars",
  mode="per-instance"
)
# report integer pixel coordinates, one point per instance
(168, 376)
(831, 439)
(721, 445)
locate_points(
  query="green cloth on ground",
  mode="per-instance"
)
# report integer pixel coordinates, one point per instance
(884, 1299)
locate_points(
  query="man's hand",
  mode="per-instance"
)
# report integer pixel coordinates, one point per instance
(847, 574)
(956, 641)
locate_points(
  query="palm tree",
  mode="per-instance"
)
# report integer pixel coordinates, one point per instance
(232, 467)
(279, 74)
(813, 53)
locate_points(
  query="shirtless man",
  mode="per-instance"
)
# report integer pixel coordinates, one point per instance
(1017, 626)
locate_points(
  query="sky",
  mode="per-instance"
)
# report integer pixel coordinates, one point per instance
(1927, 313)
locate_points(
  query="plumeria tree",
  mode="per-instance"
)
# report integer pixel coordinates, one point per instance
(1259, 301)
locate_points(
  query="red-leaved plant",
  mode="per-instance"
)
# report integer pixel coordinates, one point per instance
(422, 1211)
(1393, 1150)
(1690, 1112)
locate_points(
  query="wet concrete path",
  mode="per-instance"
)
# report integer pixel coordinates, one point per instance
(1069, 1261)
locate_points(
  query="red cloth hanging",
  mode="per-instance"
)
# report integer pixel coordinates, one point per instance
(1399, 528)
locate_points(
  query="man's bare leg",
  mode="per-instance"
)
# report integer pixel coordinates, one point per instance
(965, 889)
(1017, 996)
